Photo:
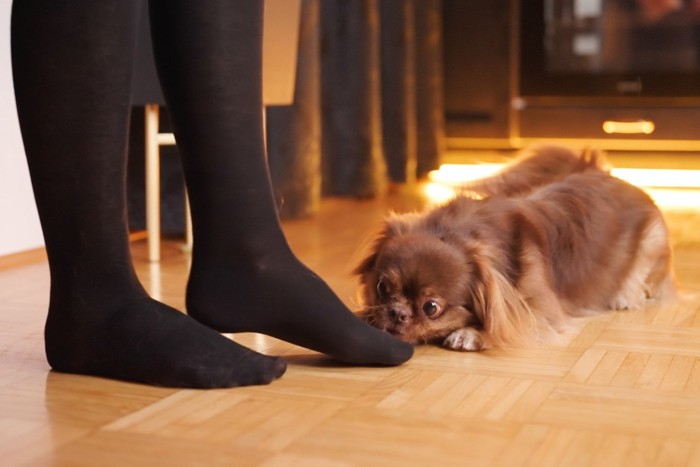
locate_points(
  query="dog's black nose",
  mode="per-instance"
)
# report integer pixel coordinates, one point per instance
(399, 314)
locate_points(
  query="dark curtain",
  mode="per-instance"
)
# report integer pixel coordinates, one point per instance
(294, 131)
(398, 65)
(379, 67)
(350, 98)
(429, 85)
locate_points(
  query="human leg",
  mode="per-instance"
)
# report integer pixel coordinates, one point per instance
(72, 74)
(244, 275)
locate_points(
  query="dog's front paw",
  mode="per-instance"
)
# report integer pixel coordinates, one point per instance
(465, 339)
(628, 301)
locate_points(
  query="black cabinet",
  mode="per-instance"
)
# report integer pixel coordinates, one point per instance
(477, 69)
(514, 74)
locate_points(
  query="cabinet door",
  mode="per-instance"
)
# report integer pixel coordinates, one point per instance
(477, 67)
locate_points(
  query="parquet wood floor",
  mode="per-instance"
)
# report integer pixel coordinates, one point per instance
(624, 389)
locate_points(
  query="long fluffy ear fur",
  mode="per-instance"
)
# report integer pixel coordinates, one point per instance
(506, 316)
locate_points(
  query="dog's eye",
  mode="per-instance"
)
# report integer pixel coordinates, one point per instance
(431, 308)
(382, 289)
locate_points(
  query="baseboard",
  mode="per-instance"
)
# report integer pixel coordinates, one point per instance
(23, 258)
(138, 235)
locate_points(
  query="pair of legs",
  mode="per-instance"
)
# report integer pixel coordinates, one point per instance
(72, 62)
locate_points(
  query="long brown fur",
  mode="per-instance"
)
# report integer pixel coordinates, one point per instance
(552, 236)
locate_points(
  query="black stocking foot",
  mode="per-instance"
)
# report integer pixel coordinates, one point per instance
(284, 299)
(144, 341)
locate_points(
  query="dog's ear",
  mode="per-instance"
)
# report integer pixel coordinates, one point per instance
(399, 224)
(393, 226)
(505, 315)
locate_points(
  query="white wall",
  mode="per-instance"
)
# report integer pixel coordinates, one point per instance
(19, 223)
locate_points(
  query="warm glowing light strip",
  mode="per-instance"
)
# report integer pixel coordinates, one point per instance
(438, 193)
(666, 178)
(675, 199)
(456, 174)
(670, 188)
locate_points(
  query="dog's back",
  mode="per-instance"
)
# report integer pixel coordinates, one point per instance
(606, 240)
(538, 166)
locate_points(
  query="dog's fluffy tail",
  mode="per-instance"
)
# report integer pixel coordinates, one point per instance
(538, 166)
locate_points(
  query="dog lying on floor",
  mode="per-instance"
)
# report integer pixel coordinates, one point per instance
(551, 237)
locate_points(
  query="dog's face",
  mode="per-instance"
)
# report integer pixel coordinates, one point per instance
(417, 287)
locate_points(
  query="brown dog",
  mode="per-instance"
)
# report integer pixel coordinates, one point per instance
(552, 236)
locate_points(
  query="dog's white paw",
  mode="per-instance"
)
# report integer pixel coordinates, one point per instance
(465, 339)
(629, 301)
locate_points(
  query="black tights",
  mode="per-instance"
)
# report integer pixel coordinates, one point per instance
(72, 63)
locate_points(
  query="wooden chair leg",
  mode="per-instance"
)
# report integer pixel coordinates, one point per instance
(152, 182)
(188, 225)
